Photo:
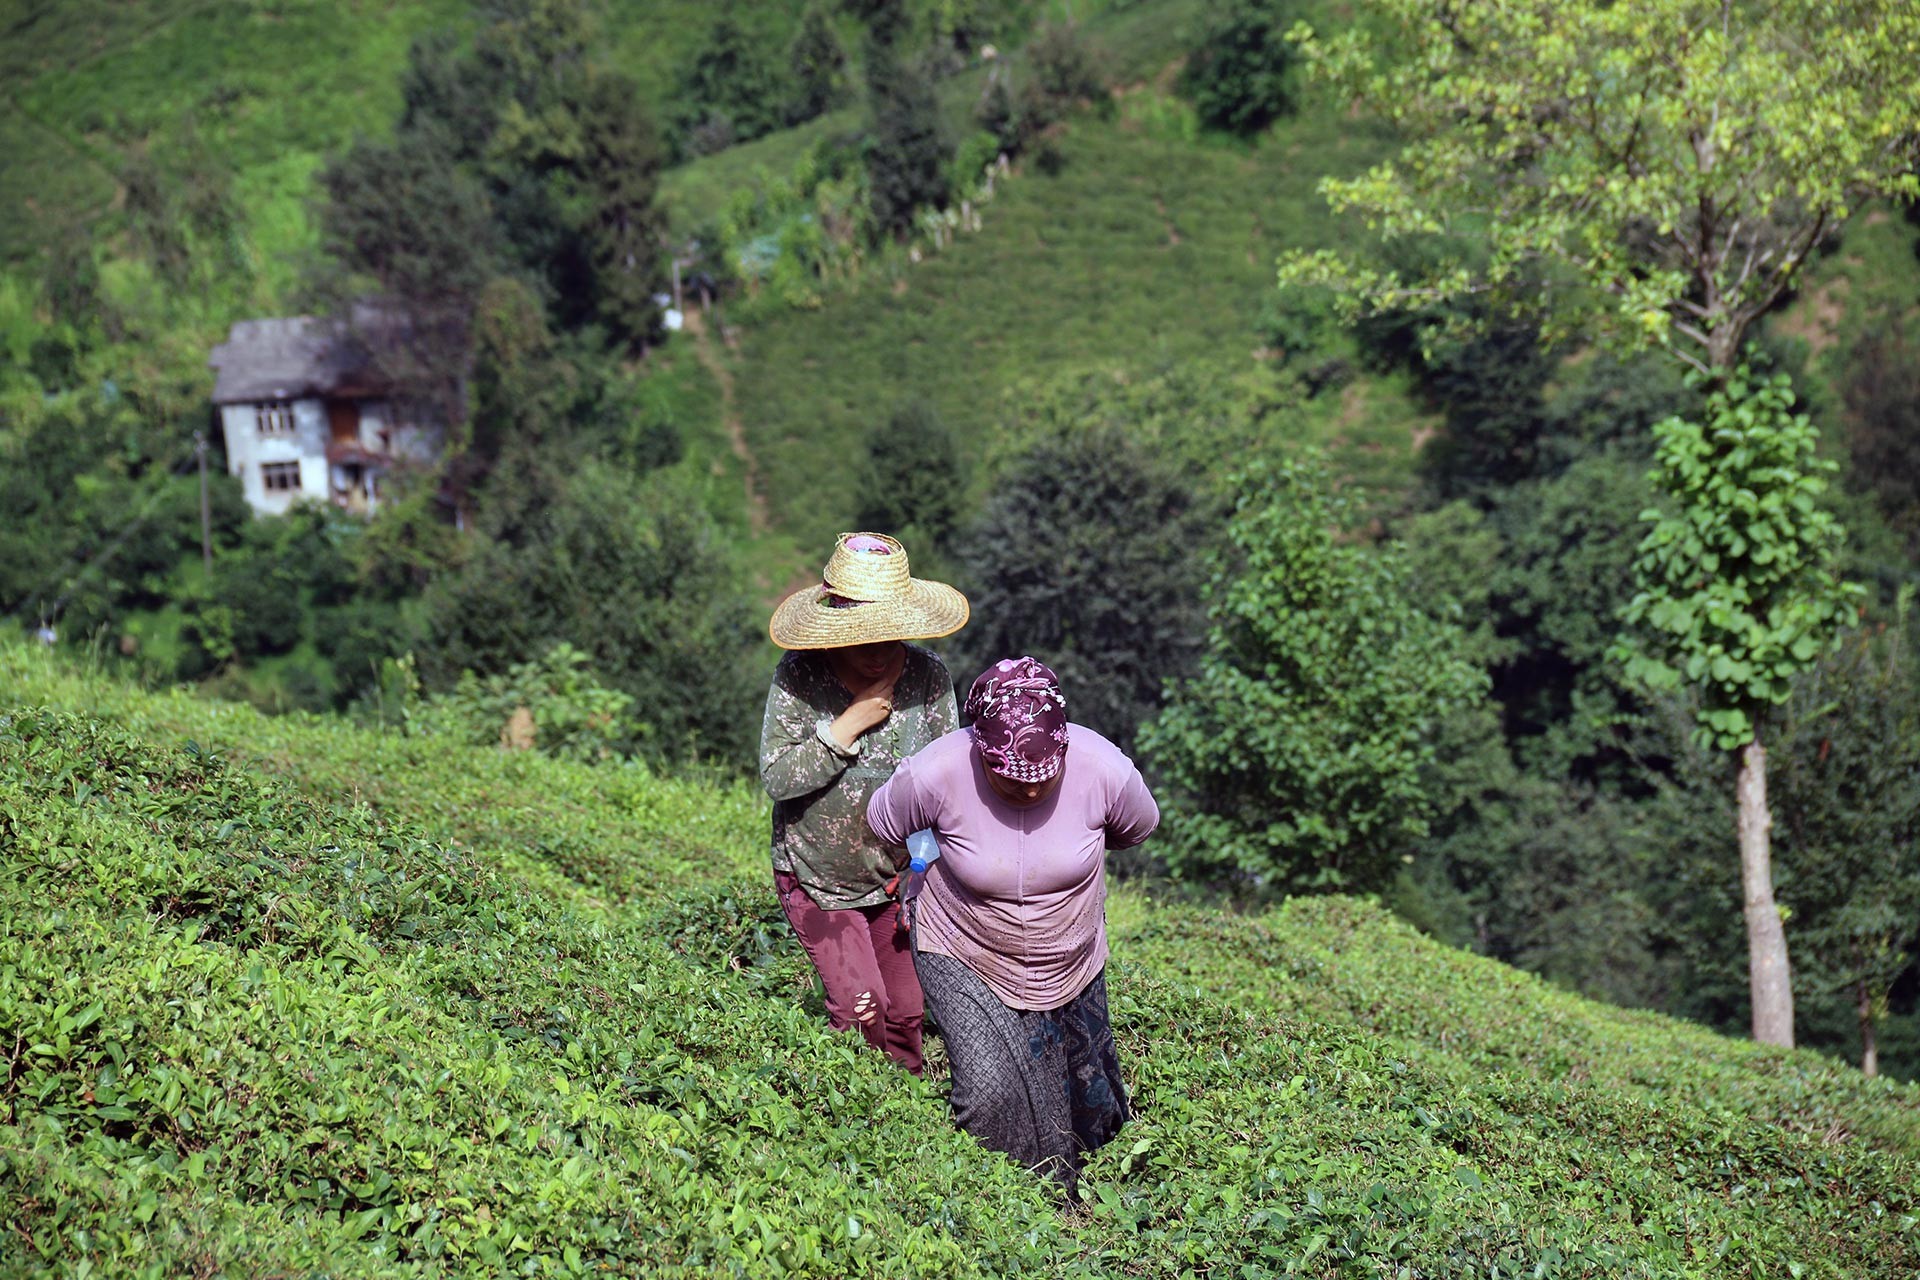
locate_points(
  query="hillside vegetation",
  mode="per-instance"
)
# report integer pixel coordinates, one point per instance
(284, 994)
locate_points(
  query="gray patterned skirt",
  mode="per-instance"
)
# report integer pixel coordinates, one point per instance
(1044, 1087)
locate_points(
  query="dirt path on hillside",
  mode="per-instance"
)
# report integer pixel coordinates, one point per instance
(696, 324)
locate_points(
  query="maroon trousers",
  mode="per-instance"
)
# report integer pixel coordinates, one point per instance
(866, 966)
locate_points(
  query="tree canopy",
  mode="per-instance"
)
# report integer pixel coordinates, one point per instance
(1659, 170)
(1296, 754)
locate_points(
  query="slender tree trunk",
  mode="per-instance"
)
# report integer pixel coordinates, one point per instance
(1869, 1047)
(1767, 973)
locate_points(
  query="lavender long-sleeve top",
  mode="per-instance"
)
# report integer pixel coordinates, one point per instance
(1019, 893)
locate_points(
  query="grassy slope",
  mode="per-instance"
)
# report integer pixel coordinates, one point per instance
(407, 1037)
(274, 87)
(1146, 251)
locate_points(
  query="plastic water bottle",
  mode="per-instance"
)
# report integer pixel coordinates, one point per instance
(922, 850)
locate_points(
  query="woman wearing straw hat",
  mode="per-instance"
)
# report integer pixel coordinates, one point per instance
(849, 701)
(1010, 934)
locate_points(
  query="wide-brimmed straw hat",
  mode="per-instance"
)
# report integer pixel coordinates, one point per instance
(866, 595)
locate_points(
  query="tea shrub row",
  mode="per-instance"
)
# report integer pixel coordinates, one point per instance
(1355, 964)
(245, 1029)
(1272, 1137)
(336, 1021)
(617, 831)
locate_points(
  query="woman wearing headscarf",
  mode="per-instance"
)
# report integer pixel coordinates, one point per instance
(850, 700)
(1009, 931)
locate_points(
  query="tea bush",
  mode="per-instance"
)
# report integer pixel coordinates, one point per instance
(228, 1006)
(617, 831)
(1351, 963)
(334, 1021)
(1283, 1136)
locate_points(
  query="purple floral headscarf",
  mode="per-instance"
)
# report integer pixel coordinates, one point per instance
(1019, 719)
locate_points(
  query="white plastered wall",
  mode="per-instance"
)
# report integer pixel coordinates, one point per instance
(248, 451)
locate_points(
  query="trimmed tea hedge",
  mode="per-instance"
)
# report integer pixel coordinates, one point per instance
(245, 1027)
(618, 832)
(339, 1020)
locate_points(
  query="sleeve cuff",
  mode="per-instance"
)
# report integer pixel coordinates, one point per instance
(824, 731)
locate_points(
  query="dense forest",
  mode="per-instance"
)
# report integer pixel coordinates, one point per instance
(1377, 517)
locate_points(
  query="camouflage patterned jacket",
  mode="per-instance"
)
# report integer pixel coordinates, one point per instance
(820, 789)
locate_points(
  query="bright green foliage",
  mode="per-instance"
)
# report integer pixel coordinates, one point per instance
(573, 714)
(1237, 75)
(1296, 754)
(574, 828)
(229, 997)
(272, 1031)
(1488, 1026)
(1676, 160)
(1846, 782)
(1737, 591)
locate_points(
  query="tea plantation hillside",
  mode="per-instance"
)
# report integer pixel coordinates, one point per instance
(283, 995)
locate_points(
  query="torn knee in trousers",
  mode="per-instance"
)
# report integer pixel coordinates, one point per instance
(866, 1007)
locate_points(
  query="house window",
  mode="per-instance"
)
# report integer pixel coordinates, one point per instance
(275, 419)
(279, 477)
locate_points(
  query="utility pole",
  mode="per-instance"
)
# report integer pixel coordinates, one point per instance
(206, 524)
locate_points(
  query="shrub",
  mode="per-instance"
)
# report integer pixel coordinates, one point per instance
(1237, 74)
(1065, 66)
(569, 712)
(911, 481)
(269, 1031)
(1084, 556)
(1296, 753)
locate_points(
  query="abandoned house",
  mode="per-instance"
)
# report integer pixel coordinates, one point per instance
(306, 415)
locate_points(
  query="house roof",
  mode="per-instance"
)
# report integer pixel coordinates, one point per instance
(293, 356)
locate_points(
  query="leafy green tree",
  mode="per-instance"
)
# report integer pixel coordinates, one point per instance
(819, 63)
(907, 144)
(404, 217)
(1737, 597)
(631, 573)
(1563, 573)
(732, 77)
(1296, 756)
(1674, 161)
(1237, 74)
(623, 225)
(1847, 777)
(1086, 556)
(1649, 174)
(912, 479)
(441, 90)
